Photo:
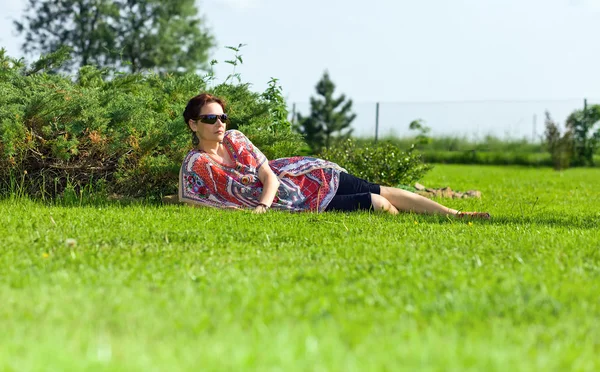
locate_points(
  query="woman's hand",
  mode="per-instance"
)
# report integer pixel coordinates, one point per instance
(270, 185)
(260, 209)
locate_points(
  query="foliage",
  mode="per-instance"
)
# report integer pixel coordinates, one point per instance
(488, 143)
(124, 131)
(272, 132)
(530, 159)
(140, 287)
(380, 162)
(237, 60)
(559, 146)
(278, 112)
(584, 127)
(422, 138)
(135, 34)
(330, 118)
(490, 150)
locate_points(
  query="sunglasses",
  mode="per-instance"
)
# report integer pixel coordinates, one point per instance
(212, 119)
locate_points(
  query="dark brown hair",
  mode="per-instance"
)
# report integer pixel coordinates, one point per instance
(192, 110)
(194, 106)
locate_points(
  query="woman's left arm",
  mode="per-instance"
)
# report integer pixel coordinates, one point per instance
(265, 173)
(270, 185)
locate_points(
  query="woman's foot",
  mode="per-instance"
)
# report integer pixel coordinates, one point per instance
(474, 215)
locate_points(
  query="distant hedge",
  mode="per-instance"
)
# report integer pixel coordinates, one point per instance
(491, 158)
(462, 144)
(123, 132)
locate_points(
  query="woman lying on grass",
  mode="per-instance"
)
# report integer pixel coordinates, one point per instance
(225, 170)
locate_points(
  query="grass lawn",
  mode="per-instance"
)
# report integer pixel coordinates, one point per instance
(140, 287)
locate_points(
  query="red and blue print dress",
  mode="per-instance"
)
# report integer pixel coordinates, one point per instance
(306, 183)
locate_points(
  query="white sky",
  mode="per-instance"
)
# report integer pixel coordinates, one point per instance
(401, 50)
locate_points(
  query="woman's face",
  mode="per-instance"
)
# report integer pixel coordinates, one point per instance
(209, 132)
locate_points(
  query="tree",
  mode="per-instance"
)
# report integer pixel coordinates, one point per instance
(423, 137)
(82, 25)
(560, 146)
(585, 141)
(133, 34)
(330, 117)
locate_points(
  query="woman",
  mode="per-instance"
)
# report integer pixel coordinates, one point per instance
(225, 170)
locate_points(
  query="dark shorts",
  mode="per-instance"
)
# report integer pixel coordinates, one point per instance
(353, 193)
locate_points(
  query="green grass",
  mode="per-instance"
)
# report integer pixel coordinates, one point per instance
(177, 288)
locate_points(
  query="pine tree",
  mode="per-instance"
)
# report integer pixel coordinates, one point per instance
(330, 117)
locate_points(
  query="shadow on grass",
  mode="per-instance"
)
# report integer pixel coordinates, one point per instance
(579, 221)
(85, 201)
(589, 221)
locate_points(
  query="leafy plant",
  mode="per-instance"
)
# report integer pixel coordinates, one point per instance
(122, 130)
(237, 60)
(381, 162)
(278, 112)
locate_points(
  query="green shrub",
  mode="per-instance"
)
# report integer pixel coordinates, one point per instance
(122, 130)
(381, 162)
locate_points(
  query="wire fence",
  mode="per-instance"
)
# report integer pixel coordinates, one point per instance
(473, 120)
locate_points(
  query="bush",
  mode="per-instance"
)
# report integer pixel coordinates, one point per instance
(124, 131)
(381, 162)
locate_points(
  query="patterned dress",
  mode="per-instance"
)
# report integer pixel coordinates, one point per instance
(306, 183)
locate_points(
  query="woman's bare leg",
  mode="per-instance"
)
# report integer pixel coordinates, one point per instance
(382, 204)
(410, 202)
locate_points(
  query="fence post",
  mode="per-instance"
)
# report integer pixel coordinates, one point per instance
(533, 133)
(376, 121)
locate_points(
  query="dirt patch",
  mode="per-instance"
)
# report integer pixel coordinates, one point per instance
(446, 192)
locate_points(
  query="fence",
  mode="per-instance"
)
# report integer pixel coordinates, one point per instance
(471, 119)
